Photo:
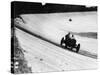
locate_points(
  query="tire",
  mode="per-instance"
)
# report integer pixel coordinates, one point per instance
(78, 48)
(62, 41)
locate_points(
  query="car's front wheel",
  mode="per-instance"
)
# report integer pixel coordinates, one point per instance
(78, 48)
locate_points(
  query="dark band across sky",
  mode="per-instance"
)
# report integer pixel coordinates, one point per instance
(18, 7)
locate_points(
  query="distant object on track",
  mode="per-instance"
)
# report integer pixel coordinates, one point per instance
(70, 19)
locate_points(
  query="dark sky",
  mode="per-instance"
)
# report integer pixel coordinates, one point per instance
(18, 7)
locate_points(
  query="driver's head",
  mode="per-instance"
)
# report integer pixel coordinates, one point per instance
(72, 35)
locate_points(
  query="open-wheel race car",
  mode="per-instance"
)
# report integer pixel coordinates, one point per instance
(69, 43)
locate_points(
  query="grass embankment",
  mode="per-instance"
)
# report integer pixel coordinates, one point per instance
(18, 62)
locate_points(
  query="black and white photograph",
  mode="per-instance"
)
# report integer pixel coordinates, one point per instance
(53, 37)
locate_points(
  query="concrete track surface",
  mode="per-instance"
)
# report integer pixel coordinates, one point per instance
(43, 56)
(40, 34)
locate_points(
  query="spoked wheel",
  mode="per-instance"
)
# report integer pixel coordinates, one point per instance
(78, 47)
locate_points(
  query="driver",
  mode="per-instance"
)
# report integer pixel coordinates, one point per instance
(73, 40)
(67, 38)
